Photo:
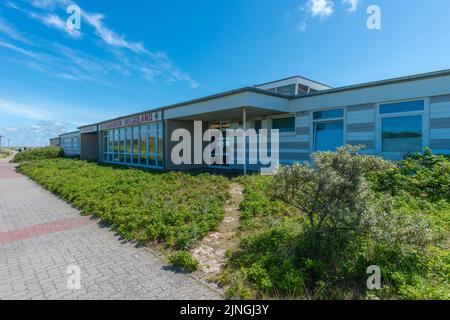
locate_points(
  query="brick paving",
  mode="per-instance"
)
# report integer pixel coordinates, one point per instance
(42, 236)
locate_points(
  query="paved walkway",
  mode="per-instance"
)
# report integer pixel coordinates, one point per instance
(42, 236)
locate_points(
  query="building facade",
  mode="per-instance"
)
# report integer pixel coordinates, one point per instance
(70, 143)
(390, 118)
(55, 142)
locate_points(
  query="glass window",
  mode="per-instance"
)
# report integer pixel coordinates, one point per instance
(143, 147)
(328, 136)
(284, 124)
(122, 146)
(160, 144)
(329, 114)
(111, 145)
(136, 138)
(153, 127)
(402, 134)
(132, 145)
(289, 89)
(116, 148)
(152, 142)
(128, 145)
(409, 106)
(152, 161)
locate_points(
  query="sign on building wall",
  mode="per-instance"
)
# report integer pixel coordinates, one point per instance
(88, 129)
(131, 121)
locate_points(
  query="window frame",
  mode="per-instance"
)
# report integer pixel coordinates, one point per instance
(327, 120)
(425, 114)
(123, 134)
(282, 116)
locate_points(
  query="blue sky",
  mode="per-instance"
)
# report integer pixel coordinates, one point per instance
(134, 55)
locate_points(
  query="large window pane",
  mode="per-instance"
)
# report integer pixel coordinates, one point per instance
(152, 142)
(152, 161)
(284, 124)
(129, 143)
(329, 135)
(402, 134)
(136, 145)
(143, 146)
(289, 89)
(111, 145)
(116, 146)
(409, 106)
(122, 145)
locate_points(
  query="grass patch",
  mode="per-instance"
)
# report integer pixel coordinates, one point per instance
(184, 261)
(175, 209)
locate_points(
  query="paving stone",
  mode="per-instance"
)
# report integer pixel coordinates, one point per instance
(41, 236)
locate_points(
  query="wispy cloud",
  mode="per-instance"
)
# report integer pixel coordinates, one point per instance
(159, 64)
(24, 111)
(49, 19)
(133, 56)
(8, 29)
(17, 49)
(53, 20)
(353, 5)
(109, 36)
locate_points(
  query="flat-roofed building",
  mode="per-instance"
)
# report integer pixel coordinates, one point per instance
(390, 118)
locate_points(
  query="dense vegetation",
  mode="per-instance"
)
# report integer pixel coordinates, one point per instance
(309, 232)
(313, 230)
(39, 154)
(176, 209)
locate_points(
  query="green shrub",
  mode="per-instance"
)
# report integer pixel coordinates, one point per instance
(426, 176)
(39, 154)
(351, 224)
(169, 207)
(184, 261)
(331, 192)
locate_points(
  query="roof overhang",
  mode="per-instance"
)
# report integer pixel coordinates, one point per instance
(230, 106)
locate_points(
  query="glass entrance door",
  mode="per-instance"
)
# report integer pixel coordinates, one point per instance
(222, 126)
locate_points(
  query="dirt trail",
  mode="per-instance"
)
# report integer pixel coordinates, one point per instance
(210, 253)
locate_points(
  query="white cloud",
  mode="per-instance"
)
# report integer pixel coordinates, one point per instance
(109, 36)
(353, 5)
(36, 135)
(19, 50)
(7, 29)
(152, 66)
(321, 8)
(24, 111)
(53, 20)
(50, 4)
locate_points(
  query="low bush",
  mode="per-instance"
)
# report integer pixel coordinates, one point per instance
(184, 261)
(425, 176)
(176, 209)
(39, 154)
(333, 225)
